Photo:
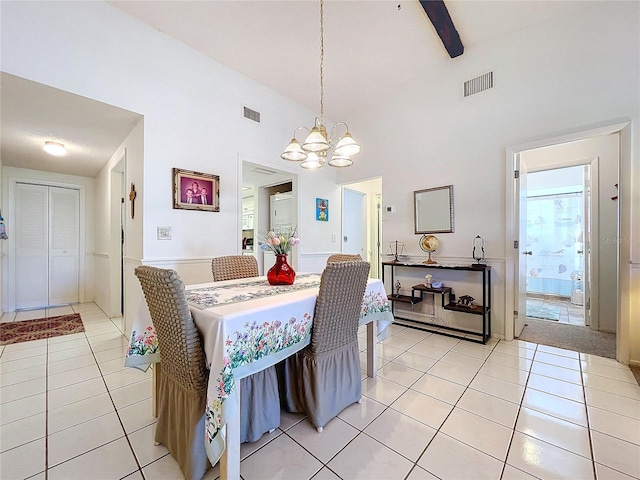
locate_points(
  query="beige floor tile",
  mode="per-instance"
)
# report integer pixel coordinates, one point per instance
(453, 373)
(98, 463)
(462, 360)
(399, 373)
(23, 408)
(75, 393)
(282, 458)
(558, 351)
(24, 375)
(559, 373)
(471, 350)
(509, 348)
(142, 442)
(324, 446)
(544, 460)
(611, 385)
(489, 407)
(615, 425)
(22, 431)
(512, 473)
(446, 457)
(425, 409)
(607, 473)
(72, 363)
(22, 390)
(23, 461)
(30, 314)
(82, 438)
(503, 372)
(382, 390)
(22, 364)
(478, 432)
(137, 415)
(163, 469)
(125, 377)
(512, 392)
(620, 372)
(415, 361)
(613, 403)
(439, 388)
(401, 433)
(132, 393)
(554, 431)
(557, 360)
(419, 473)
(79, 412)
(556, 387)
(556, 406)
(359, 415)
(23, 350)
(375, 461)
(71, 377)
(511, 361)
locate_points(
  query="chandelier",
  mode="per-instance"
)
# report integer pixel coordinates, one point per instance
(314, 151)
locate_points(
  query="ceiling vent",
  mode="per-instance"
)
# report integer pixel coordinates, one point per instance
(250, 114)
(478, 84)
(263, 171)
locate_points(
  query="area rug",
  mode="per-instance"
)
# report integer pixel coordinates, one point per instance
(26, 330)
(569, 337)
(539, 311)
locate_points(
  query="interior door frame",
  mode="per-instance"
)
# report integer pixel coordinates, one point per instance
(623, 129)
(363, 221)
(10, 220)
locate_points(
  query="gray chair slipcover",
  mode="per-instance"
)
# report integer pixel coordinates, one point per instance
(182, 390)
(325, 377)
(259, 398)
(343, 257)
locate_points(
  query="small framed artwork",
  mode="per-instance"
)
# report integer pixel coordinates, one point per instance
(322, 209)
(196, 191)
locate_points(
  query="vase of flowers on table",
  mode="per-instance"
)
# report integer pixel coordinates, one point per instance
(280, 243)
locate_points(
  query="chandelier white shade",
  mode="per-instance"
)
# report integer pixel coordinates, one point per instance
(316, 147)
(54, 148)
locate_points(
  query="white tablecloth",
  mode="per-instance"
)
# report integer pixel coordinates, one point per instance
(247, 325)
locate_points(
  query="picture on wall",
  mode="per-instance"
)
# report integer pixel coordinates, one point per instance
(196, 191)
(322, 209)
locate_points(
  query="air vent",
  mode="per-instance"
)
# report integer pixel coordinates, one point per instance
(263, 171)
(251, 114)
(478, 84)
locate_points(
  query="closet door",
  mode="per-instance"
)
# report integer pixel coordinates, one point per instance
(47, 246)
(64, 225)
(32, 246)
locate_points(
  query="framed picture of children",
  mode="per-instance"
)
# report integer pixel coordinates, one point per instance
(196, 191)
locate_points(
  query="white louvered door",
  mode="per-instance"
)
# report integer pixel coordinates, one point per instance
(47, 246)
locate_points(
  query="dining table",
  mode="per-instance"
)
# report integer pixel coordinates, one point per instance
(248, 325)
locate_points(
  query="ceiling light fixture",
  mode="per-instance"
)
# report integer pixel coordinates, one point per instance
(54, 148)
(314, 151)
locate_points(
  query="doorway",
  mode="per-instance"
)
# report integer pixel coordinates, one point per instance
(607, 147)
(558, 262)
(370, 193)
(47, 244)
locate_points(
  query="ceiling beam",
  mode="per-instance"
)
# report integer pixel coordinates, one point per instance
(437, 12)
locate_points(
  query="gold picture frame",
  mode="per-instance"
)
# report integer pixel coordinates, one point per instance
(196, 190)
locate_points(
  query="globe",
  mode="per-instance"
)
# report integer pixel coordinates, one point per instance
(429, 243)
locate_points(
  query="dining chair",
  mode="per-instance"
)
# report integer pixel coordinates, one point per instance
(259, 398)
(343, 257)
(231, 267)
(325, 377)
(182, 389)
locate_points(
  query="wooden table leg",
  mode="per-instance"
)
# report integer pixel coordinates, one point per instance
(155, 385)
(372, 359)
(230, 460)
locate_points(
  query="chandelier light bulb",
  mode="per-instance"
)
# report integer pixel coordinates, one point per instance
(54, 148)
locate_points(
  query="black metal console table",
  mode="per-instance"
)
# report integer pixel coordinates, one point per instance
(417, 296)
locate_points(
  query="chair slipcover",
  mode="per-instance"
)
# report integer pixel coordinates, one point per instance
(325, 377)
(232, 267)
(343, 257)
(182, 390)
(259, 398)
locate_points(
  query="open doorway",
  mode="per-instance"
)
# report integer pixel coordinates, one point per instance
(558, 260)
(605, 149)
(367, 196)
(269, 200)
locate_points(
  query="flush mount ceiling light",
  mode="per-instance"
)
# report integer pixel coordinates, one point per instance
(54, 148)
(315, 149)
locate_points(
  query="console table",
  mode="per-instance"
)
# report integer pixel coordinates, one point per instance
(418, 292)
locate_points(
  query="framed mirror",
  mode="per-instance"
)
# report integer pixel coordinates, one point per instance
(433, 210)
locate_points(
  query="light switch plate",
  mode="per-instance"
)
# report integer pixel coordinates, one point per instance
(164, 233)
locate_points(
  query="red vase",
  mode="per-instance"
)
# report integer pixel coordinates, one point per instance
(281, 273)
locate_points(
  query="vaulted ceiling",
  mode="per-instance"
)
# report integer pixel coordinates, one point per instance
(371, 49)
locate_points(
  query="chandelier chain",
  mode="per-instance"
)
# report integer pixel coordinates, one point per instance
(322, 62)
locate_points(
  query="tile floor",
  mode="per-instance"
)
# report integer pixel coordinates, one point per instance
(569, 313)
(440, 408)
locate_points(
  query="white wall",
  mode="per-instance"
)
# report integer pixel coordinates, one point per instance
(560, 76)
(192, 109)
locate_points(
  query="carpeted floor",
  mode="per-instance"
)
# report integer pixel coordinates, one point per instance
(636, 372)
(570, 337)
(26, 330)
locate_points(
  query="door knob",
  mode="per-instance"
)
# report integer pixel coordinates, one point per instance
(529, 252)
